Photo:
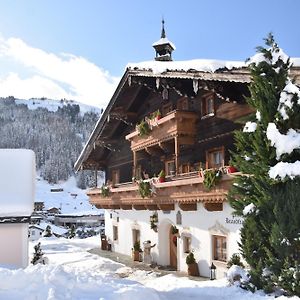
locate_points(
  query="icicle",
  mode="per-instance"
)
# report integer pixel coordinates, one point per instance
(165, 94)
(157, 83)
(129, 80)
(195, 86)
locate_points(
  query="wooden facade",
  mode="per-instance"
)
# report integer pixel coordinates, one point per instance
(199, 112)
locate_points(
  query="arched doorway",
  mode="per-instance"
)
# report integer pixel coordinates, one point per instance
(173, 248)
(167, 248)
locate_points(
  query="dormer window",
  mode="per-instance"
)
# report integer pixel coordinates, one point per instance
(208, 106)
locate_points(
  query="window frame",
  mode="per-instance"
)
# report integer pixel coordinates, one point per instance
(210, 153)
(208, 110)
(167, 168)
(219, 253)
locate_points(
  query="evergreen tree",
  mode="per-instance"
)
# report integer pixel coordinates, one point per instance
(267, 194)
(48, 231)
(38, 254)
(72, 232)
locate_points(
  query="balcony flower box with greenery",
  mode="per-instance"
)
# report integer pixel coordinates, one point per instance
(192, 265)
(145, 188)
(211, 178)
(105, 191)
(143, 128)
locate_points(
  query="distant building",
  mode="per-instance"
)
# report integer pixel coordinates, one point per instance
(53, 211)
(79, 219)
(36, 231)
(39, 206)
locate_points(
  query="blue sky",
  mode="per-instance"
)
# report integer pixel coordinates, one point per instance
(44, 43)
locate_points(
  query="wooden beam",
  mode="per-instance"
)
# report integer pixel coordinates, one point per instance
(176, 144)
(114, 206)
(170, 206)
(213, 206)
(152, 206)
(188, 206)
(126, 206)
(139, 207)
(99, 206)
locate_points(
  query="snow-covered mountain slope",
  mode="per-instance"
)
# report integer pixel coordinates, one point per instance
(71, 200)
(53, 105)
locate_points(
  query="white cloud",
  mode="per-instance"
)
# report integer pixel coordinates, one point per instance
(54, 76)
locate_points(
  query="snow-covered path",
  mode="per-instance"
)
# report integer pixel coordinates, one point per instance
(74, 273)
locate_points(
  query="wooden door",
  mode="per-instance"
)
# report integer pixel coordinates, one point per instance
(173, 249)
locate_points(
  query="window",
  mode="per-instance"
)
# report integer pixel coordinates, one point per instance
(115, 177)
(167, 108)
(170, 167)
(183, 104)
(115, 233)
(208, 105)
(219, 248)
(215, 158)
(186, 244)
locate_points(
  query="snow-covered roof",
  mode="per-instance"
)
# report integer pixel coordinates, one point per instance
(54, 228)
(17, 181)
(83, 213)
(202, 65)
(164, 41)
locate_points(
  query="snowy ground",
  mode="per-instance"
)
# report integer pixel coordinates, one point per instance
(73, 273)
(71, 200)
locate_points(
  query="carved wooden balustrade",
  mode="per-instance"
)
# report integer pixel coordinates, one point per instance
(185, 190)
(175, 129)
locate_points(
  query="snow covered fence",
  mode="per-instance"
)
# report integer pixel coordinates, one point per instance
(17, 184)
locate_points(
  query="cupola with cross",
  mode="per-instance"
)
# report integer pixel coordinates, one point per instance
(163, 47)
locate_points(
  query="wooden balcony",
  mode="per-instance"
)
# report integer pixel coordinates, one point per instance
(176, 124)
(184, 190)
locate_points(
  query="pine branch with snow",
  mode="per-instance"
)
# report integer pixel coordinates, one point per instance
(268, 154)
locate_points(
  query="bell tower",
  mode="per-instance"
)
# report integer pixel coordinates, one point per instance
(163, 47)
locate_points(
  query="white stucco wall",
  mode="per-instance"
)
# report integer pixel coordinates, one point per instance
(200, 224)
(14, 245)
(17, 178)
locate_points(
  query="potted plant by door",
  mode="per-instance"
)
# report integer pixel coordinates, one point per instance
(162, 176)
(136, 251)
(192, 265)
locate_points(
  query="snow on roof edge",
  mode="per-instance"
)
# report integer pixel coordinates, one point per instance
(202, 65)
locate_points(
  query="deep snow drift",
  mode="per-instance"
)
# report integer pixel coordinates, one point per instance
(73, 273)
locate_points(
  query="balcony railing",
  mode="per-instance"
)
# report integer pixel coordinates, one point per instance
(175, 124)
(184, 189)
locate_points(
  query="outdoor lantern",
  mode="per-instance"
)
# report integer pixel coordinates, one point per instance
(213, 271)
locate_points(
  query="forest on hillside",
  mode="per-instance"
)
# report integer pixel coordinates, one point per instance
(56, 137)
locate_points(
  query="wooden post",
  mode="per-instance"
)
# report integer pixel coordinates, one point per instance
(96, 177)
(134, 164)
(176, 154)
